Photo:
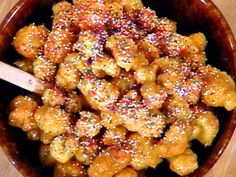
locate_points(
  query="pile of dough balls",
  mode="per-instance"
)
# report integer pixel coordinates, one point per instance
(125, 90)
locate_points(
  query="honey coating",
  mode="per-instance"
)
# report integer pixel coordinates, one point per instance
(63, 148)
(206, 126)
(176, 139)
(53, 97)
(110, 119)
(62, 16)
(114, 136)
(69, 169)
(67, 76)
(21, 115)
(127, 172)
(130, 5)
(124, 81)
(150, 51)
(105, 65)
(184, 163)
(109, 163)
(136, 117)
(58, 45)
(153, 95)
(29, 41)
(74, 102)
(44, 69)
(88, 125)
(125, 90)
(143, 152)
(88, 150)
(216, 84)
(100, 93)
(88, 44)
(45, 138)
(123, 50)
(52, 120)
(90, 14)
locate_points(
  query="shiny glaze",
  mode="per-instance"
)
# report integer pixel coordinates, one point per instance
(194, 15)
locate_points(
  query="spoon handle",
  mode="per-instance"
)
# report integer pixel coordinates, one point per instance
(21, 78)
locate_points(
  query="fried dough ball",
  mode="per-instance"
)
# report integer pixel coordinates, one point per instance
(127, 27)
(45, 157)
(189, 90)
(67, 76)
(177, 109)
(74, 102)
(24, 64)
(153, 95)
(61, 7)
(206, 125)
(142, 152)
(88, 125)
(219, 89)
(58, 45)
(130, 5)
(88, 150)
(45, 138)
(150, 51)
(88, 44)
(123, 49)
(130, 91)
(22, 118)
(137, 118)
(184, 163)
(199, 40)
(110, 119)
(114, 136)
(22, 110)
(90, 14)
(127, 172)
(176, 139)
(69, 169)
(194, 60)
(165, 25)
(62, 16)
(145, 75)
(109, 163)
(44, 69)
(139, 61)
(53, 97)
(99, 93)
(79, 61)
(171, 73)
(116, 9)
(63, 148)
(106, 64)
(89, 4)
(25, 102)
(146, 18)
(52, 120)
(29, 40)
(174, 44)
(124, 81)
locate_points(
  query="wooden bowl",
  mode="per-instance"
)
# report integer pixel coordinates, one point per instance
(191, 16)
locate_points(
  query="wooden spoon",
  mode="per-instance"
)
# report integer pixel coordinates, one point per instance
(21, 78)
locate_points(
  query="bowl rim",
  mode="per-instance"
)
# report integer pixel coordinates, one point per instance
(223, 140)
